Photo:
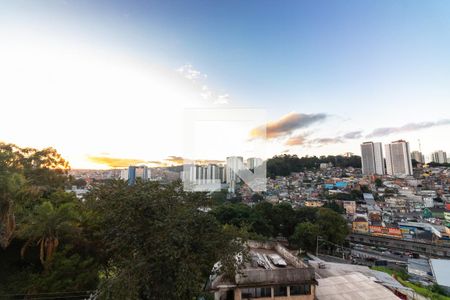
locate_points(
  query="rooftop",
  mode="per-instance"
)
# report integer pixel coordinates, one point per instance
(351, 286)
(269, 263)
(441, 271)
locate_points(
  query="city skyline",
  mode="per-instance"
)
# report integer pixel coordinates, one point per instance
(107, 83)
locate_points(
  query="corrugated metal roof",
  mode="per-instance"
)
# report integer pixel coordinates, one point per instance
(441, 271)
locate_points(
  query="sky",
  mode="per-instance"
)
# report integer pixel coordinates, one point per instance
(111, 83)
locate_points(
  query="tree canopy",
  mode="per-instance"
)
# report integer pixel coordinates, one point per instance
(161, 229)
(284, 165)
(145, 241)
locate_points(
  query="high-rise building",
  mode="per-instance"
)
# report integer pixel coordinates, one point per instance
(372, 158)
(439, 157)
(398, 158)
(203, 174)
(254, 162)
(123, 174)
(137, 172)
(234, 164)
(418, 156)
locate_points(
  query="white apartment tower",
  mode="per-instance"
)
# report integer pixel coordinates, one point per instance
(254, 162)
(234, 163)
(439, 157)
(372, 158)
(398, 159)
(418, 156)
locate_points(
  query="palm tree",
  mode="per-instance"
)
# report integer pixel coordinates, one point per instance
(46, 226)
(10, 185)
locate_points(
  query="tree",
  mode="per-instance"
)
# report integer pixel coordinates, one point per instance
(54, 230)
(306, 214)
(356, 195)
(159, 243)
(10, 186)
(378, 182)
(283, 165)
(26, 172)
(333, 227)
(283, 219)
(256, 197)
(335, 207)
(236, 214)
(219, 197)
(46, 226)
(305, 236)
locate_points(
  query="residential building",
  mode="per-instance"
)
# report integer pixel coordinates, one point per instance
(135, 172)
(372, 158)
(439, 157)
(398, 159)
(360, 224)
(254, 162)
(234, 164)
(203, 177)
(418, 156)
(271, 273)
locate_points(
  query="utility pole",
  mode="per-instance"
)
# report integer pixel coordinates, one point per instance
(317, 246)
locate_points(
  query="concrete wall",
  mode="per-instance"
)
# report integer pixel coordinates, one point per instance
(237, 295)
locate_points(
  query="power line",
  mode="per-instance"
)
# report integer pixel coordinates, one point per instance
(49, 293)
(61, 297)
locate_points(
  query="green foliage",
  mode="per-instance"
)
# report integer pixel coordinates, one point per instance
(397, 273)
(38, 216)
(270, 220)
(256, 197)
(264, 219)
(219, 197)
(335, 207)
(356, 195)
(146, 241)
(69, 271)
(378, 182)
(46, 226)
(434, 291)
(333, 228)
(305, 236)
(284, 165)
(171, 243)
(424, 291)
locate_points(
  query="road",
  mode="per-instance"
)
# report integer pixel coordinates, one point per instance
(366, 253)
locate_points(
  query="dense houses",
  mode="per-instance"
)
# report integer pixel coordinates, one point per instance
(410, 206)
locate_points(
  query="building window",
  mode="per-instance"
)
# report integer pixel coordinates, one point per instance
(250, 293)
(280, 291)
(303, 289)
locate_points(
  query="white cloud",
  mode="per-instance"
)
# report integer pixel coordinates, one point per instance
(198, 79)
(188, 72)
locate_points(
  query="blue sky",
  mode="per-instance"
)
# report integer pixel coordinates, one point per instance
(365, 64)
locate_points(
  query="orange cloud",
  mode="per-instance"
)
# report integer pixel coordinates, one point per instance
(286, 125)
(297, 140)
(178, 160)
(115, 162)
